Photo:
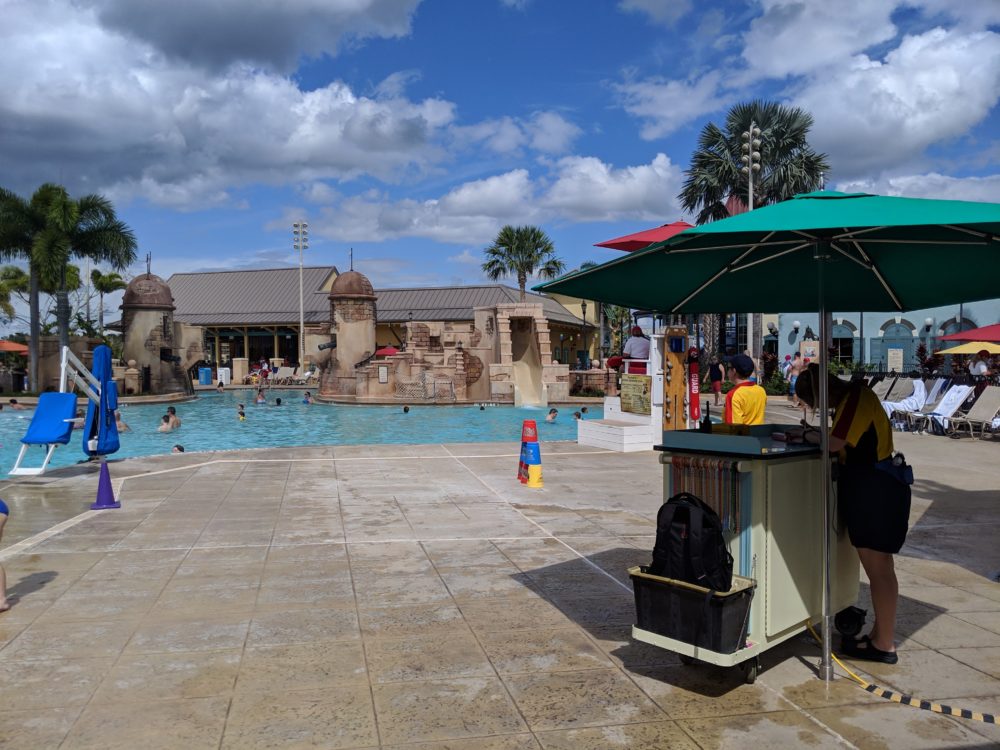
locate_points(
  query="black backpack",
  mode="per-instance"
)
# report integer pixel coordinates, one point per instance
(690, 546)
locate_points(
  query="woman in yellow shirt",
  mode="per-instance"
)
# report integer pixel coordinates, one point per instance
(873, 499)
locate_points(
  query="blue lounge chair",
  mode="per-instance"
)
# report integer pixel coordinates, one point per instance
(51, 426)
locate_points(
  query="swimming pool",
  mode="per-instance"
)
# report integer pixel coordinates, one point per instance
(210, 423)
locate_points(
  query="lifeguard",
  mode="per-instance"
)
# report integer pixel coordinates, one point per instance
(746, 400)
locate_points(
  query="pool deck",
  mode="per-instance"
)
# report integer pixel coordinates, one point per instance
(420, 597)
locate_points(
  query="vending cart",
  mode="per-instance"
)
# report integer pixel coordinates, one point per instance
(764, 491)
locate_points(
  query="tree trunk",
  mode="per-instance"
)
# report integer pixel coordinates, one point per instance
(62, 317)
(100, 314)
(522, 281)
(35, 329)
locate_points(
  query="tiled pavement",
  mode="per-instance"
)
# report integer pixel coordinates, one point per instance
(419, 597)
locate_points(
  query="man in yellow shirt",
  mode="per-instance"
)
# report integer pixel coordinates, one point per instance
(746, 400)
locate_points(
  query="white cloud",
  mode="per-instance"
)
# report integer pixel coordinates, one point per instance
(578, 189)
(931, 185)
(107, 113)
(874, 116)
(550, 133)
(663, 12)
(587, 189)
(546, 132)
(664, 106)
(218, 33)
(796, 37)
(466, 256)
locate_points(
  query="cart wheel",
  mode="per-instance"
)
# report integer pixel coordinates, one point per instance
(686, 660)
(750, 669)
(850, 621)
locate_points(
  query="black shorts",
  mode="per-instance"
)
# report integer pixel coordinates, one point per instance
(875, 507)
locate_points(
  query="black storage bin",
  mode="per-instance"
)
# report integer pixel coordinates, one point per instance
(676, 609)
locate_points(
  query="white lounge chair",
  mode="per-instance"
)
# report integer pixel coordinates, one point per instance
(982, 413)
(950, 403)
(908, 404)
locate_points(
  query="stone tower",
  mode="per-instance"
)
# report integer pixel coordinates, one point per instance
(352, 321)
(148, 334)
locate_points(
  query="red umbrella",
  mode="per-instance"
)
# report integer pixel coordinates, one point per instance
(647, 237)
(986, 333)
(385, 351)
(13, 346)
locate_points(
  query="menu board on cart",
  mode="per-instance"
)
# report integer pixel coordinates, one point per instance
(636, 393)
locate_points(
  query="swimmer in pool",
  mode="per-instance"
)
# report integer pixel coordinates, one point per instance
(551, 416)
(120, 424)
(165, 425)
(307, 399)
(175, 421)
(261, 399)
(15, 406)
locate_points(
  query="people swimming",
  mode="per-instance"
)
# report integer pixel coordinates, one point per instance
(16, 406)
(120, 423)
(178, 448)
(241, 414)
(175, 421)
(165, 425)
(220, 387)
(261, 398)
(277, 402)
(406, 409)
(307, 398)
(577, 415)
(551, 416)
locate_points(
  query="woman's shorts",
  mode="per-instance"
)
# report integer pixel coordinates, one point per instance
(716, 386)
(791, 385)
(875, 507)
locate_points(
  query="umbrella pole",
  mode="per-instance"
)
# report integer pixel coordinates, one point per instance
(826, 665)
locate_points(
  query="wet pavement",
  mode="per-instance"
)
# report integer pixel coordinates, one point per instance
(420, 597)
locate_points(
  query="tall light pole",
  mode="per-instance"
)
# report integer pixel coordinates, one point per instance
(300, 242)
(751, 164)
(586, 353)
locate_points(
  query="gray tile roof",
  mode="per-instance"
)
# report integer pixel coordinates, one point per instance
(271, 296)
(250, 297)
(457, 303)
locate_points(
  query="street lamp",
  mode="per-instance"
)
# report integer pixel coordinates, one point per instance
(300, 242)
(586, 354)
(750, 159)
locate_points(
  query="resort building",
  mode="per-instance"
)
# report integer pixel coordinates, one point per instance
(886, 341)
(255, 314)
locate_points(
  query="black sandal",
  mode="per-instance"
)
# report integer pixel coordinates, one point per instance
(863, 648)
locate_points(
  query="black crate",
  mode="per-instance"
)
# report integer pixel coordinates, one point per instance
(677, 610)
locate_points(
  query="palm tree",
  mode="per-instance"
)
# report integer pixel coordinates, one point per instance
(522, 252)
(715, 183)
(788, 164)
(7, 288)
(105, 283)
(21, 225)
(86, 228)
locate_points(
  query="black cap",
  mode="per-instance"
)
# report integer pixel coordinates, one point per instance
(742, 364)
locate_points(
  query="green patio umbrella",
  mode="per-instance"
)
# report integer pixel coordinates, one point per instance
(818, 251)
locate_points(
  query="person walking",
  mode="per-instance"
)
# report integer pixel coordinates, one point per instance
(794, 370)
(714, 378)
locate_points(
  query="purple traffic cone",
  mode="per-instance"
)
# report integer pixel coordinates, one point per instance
(105, 495)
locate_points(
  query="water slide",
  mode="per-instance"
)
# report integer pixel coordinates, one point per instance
(528, 388)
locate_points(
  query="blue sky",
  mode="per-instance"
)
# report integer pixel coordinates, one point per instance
(412, 130)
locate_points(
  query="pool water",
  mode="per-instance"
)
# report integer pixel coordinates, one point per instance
(210, 423)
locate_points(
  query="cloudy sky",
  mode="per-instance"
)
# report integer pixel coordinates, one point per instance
(412, 130)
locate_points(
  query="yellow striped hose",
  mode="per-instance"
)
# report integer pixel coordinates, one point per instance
(909, 700)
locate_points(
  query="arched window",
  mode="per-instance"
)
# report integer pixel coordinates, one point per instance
(843, 344)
